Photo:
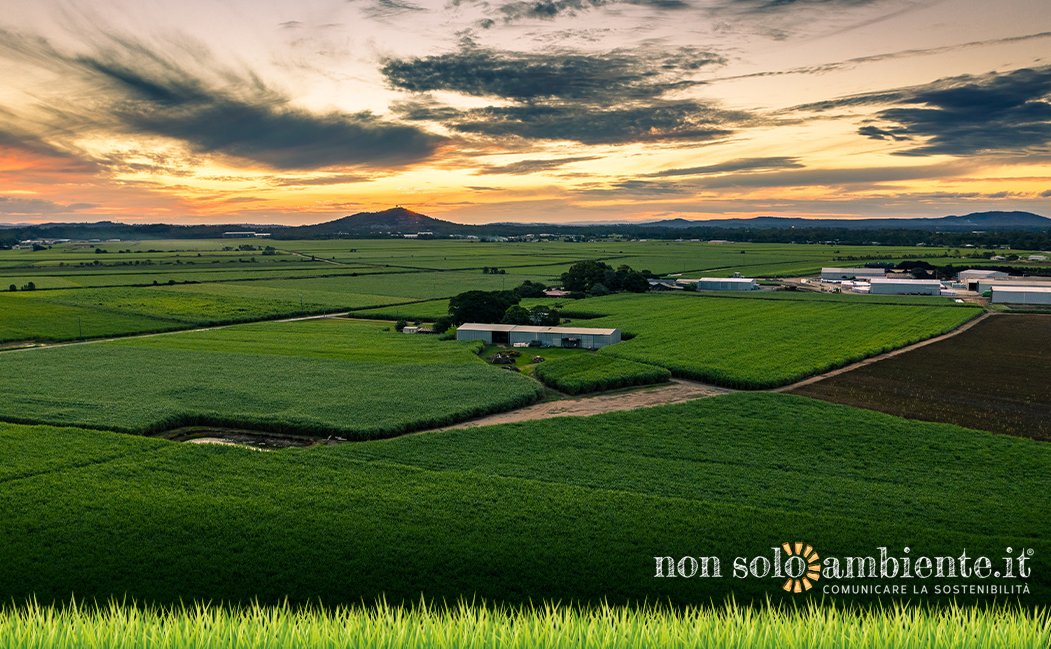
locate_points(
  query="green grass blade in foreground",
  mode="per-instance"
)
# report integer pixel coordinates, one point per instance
(117, 626)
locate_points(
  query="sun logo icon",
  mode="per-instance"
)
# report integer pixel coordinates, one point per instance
(801, 567)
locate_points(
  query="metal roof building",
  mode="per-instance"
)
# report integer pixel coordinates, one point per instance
(852, 273)
(1022, 295)
(880, 286)
(981, 274)
(582, 337)
(984, 285)
(721, 283)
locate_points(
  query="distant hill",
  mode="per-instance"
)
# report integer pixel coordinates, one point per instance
(397, 219)
(968, 222)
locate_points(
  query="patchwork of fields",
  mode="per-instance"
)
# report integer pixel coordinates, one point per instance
(569, 509)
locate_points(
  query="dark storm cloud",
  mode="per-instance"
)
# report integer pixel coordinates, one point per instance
(741, 164)
(617, 75)
(611, 98)
(968, 115)
(524, 167)
(129, 87)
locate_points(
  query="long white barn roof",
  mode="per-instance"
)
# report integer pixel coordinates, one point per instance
(577, 331)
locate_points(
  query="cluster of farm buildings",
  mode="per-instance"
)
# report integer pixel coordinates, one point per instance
(1002, 288)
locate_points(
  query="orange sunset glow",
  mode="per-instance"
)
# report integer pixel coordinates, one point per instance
(541, 111)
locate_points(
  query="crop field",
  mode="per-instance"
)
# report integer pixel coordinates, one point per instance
(462, 625)
(571, 510)
(316, 378)
(995, 376)
(22, 317)
(428, 311)
(754, 343)
(656, 256)
(591, 373)
(68, 315)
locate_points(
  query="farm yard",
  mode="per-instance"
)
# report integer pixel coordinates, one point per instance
(99, 502)
(995, 376)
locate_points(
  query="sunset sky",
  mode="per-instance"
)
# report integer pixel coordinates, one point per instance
(522, 110)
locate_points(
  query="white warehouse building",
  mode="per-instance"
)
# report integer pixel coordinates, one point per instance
(581, 337)
(851, 273)
(1022, 295)
(1036, 282)
(905, 287)
(721, 283)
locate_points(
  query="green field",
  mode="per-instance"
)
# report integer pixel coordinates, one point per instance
(462, 625)
(756, 343)
(591, 373)
(571, 509)
(328, 377)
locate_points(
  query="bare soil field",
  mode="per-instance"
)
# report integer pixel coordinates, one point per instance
(678, 391)
(996, 376)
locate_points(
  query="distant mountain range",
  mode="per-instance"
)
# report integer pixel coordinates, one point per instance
(968, 222)
(399, 220)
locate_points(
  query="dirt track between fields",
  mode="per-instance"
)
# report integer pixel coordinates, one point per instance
(677, 391)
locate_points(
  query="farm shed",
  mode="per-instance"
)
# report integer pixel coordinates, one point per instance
(1022, 295)
(987, 284)
(851, 273)
(490, 333)
(584, 338)
(721, 283)
(880, 286)
(972, 277)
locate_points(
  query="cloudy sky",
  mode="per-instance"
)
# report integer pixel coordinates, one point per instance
(272, 111)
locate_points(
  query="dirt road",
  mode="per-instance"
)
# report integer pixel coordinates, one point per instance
(678, 391)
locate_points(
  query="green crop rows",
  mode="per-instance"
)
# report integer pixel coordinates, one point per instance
(753, 343)
(592, 373)
(322, 378)
(569, 509)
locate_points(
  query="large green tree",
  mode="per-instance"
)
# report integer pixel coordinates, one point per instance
(481, 306)
(582, 275)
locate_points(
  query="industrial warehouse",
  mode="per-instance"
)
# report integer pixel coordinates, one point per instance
(574, 337)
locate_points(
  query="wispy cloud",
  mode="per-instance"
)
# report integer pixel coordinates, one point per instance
(128, 87)
(741, 164)
(38, 206)
(523, 167)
